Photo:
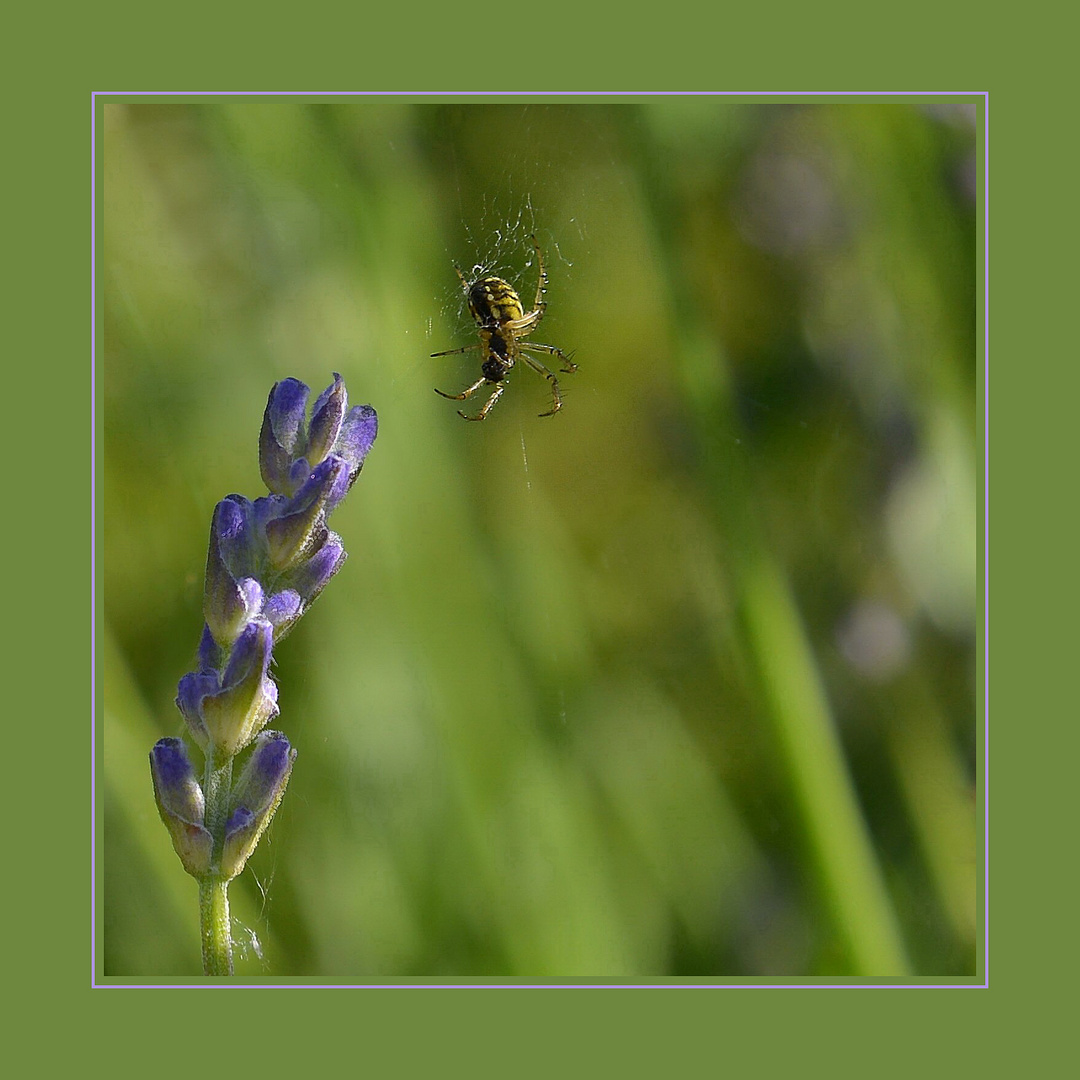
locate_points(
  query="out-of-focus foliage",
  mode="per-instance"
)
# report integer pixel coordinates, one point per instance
(680, 681)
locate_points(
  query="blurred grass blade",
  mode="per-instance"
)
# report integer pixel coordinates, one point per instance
(843, 854)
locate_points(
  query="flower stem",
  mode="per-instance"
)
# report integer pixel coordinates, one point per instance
(214, 916)
(213, 890)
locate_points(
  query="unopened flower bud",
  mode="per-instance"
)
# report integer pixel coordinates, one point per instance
(283, 609)
(228, 712)
(356, 438)
(180, 804)
(255, 797)
(310, 578)
(300, 531)
(282, 439)
(326, 416)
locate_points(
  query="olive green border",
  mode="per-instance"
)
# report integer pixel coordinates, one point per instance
(658, 1031)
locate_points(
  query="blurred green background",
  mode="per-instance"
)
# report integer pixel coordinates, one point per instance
(678, 682)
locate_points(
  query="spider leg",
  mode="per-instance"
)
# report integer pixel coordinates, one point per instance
(568, 365)
(496, 394)
(454, 352)
(539, 304)
(556, 399)
(525, 325)
(464, 393)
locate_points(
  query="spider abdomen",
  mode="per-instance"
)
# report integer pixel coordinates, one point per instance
(496, 368)
(494, 302)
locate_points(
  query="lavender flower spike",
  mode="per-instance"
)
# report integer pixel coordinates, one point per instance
(266, 562)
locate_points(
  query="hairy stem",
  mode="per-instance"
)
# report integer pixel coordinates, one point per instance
(214, 916)
(213, 891)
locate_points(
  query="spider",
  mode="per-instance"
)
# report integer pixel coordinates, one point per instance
(502, 323)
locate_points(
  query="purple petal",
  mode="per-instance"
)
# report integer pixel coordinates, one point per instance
(266, 509)
(358, 433)
(298, 533)
(282, 607)
(285, 410)
(326, 419)
(299, 472)
(265, 772)
(256, 795)
(280, 432)
(181, 805)
(175, 780)
(229, 604)
(193, 690)
(315, 484)
(241, 818)
(210, 656)
(234, 528)
(341, 482)
(248, 698)
(251, 653)
(311, 577)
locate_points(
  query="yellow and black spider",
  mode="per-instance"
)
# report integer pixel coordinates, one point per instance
(502, 324)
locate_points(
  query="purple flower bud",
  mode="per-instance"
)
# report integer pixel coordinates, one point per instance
(301, 531)
(311, 577)
(232, 597)
(357, 437)
(244, 701)
(180, 804)
(267, 769)
(211, 657)
(193, 689)
(255, 797)
(237, 535)
(342, 480)
(299, 472)
(283, 609)
(326, 417)
(282, 439)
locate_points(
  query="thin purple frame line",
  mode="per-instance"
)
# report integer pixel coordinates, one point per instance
(93, 551)
(986, 184)
(538, 93)
(542, 986)
(986, 538)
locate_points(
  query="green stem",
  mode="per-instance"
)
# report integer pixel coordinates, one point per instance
(213, 890)
(214, 916)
